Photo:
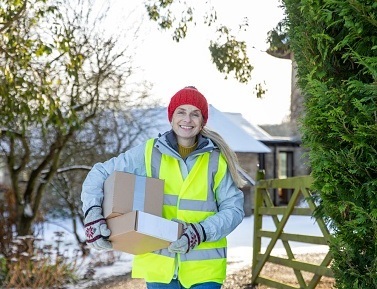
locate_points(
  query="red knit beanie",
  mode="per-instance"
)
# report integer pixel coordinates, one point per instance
(188, 95)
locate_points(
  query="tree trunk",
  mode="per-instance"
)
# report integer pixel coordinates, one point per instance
(24, 224)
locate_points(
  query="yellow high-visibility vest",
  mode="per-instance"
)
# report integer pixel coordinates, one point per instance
(192, 200)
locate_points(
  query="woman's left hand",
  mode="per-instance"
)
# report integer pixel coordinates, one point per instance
(192, 236)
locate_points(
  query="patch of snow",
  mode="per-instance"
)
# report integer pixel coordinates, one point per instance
(240, 247)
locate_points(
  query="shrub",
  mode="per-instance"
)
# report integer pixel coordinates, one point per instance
(7, 220)
(47, 267)
(334, 43)
(22, 263)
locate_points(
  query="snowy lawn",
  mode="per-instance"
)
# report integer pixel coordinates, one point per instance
(239, 246)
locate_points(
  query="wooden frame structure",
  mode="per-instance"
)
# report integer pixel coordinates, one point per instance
(263, 206)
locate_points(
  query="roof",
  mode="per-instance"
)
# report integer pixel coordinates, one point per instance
(238, 136)
(256, 131)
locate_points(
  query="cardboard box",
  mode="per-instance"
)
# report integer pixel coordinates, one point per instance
(124, 193)
(139, 232)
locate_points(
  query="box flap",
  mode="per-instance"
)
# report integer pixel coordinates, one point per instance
(122, 224)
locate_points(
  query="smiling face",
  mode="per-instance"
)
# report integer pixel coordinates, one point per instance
(187, 122)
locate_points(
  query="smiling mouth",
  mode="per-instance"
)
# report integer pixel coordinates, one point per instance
(186, 127)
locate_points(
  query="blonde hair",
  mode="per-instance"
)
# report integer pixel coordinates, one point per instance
(230, 156)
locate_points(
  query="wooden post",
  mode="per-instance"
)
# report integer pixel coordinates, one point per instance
(258, 201)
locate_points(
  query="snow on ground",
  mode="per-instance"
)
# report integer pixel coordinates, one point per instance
(240, 241)
(239, 245)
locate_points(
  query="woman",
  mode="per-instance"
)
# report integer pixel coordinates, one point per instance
(201, 191)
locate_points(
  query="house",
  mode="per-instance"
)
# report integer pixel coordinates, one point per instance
(287, 157)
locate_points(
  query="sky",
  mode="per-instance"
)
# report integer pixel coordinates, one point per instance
(170, 66)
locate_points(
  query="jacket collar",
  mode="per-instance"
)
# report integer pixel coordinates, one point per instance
(169, 138)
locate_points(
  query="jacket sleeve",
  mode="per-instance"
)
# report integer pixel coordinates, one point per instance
(230, 201)
(131, 161)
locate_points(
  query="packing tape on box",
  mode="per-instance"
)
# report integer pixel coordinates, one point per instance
(139, 193)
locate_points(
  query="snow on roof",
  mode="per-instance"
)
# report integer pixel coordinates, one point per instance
(254, 130)
(236, 134)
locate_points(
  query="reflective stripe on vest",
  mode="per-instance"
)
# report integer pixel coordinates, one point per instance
(192, 200)
(196, 255)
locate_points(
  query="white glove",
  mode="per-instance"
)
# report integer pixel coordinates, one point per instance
(193, 235)
(96, 230)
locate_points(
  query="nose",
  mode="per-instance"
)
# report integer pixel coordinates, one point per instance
(187, 117)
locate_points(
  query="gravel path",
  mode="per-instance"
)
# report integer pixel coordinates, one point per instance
(238, 280)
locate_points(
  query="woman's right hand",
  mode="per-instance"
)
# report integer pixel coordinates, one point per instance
(96, 230)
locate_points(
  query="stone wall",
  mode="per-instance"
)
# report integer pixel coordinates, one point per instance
(249, 162)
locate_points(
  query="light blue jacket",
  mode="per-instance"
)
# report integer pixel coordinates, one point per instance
(229, 198)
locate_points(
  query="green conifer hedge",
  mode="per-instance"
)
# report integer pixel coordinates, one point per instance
(334, 43)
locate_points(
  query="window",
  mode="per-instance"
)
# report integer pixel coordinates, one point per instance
(285, 167)
(285, 170)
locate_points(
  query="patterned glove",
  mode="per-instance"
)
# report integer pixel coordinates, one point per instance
(193, 235)
(96, 230)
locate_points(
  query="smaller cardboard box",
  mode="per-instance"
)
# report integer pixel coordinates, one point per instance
(139, 232)
(125, 192)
